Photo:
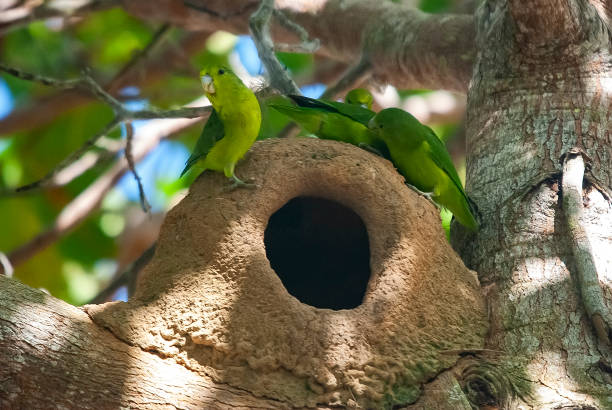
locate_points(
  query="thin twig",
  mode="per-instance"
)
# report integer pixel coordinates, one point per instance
(354, 75)
(129, 131)
(259, 24)
(302, 48)
(306, 45)
(89, 84)
(586, 269)
(53, 82)
(86, 82)
(127, 278)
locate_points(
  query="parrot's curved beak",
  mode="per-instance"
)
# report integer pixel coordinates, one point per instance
(207, 84)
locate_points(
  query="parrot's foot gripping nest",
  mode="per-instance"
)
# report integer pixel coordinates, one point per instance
(427, 195)
(238, 183)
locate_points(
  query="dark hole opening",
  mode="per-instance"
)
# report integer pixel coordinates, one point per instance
(320, 250)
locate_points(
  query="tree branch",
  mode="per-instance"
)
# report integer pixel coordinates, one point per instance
(406, 47)
(259, 23)
(129, 137)
(586, 269)
(7, 266)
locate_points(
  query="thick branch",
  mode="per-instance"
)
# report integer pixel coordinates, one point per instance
(52, 352)
(408, 48)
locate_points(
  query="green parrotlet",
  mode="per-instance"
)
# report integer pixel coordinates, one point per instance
(423, 160)
(233, 124)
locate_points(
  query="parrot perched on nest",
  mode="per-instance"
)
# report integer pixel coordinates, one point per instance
(333, 120)
(232, 127)
(422, 159)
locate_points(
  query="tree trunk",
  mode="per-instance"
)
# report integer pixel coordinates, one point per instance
(542, 86)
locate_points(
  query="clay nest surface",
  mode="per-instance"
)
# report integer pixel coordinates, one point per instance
(211, 300)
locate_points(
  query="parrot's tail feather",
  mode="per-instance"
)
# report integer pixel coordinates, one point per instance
(306, 102)
(188, 165)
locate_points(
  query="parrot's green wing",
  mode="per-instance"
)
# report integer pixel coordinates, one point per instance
(332, 120)
(211, 134)
(309, 119)
(354, 112)
(440, 156)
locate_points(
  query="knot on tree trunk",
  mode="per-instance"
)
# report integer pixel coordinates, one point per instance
(330, 283)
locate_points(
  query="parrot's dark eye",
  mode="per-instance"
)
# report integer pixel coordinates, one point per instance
(221, 71)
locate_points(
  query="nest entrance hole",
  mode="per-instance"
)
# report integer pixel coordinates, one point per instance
(321, 252)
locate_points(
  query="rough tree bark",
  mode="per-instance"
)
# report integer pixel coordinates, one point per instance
(541, 87)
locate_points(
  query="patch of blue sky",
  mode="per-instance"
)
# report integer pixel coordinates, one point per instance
(135, 105)
(245, 47)
(121, 294)
(164, 163)
(6, 99)
(313, 90)
(130, 91)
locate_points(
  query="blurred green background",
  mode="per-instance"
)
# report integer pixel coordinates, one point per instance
(40, 126)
